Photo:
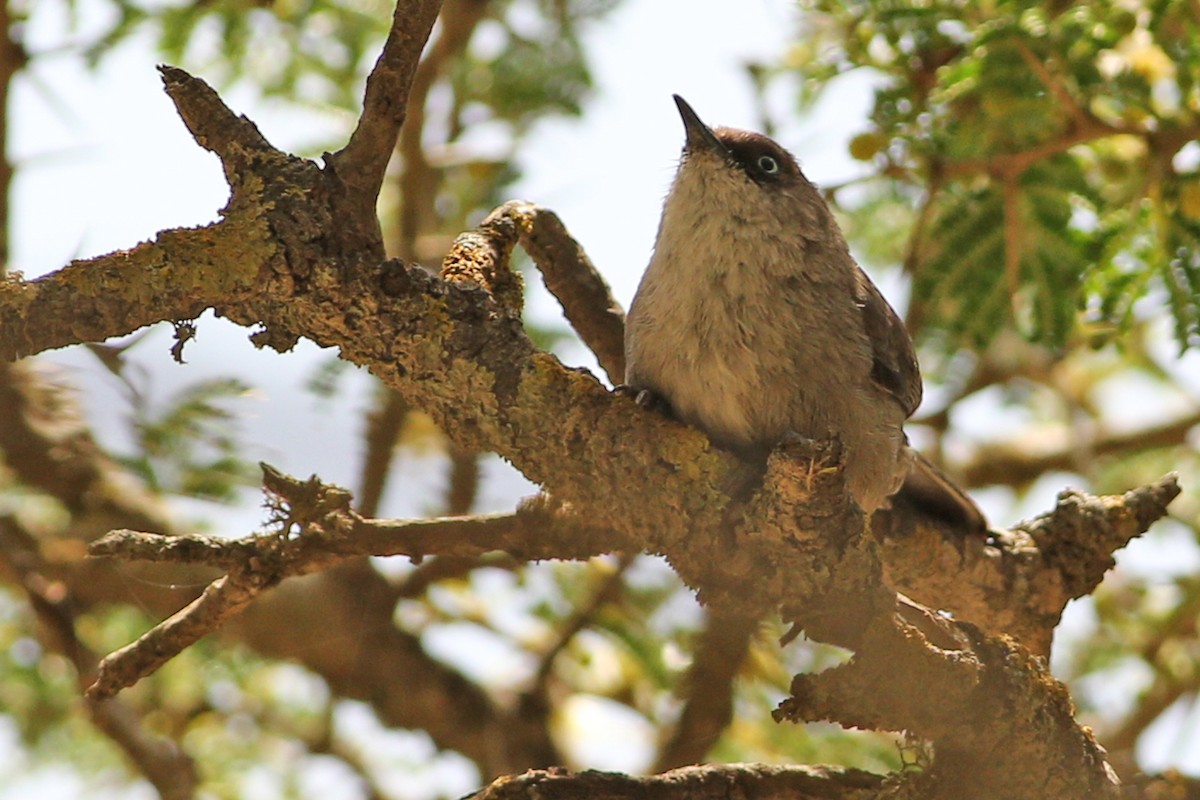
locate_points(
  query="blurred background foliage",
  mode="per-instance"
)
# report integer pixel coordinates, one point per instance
(1031, 168)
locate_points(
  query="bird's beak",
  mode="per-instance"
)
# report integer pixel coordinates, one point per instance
(699, 135)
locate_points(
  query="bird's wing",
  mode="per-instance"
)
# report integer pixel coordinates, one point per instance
(894, 364)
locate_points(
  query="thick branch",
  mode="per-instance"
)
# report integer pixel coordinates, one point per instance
(176, 276)
(1018, 582)
(999, 722)
(1078, 537)
(713, 782)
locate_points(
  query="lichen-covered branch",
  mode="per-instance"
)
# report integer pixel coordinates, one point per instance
(995, 715)
(571, 277)
(176, 276)
(311, 535)
(712, 782)
(1018, 582)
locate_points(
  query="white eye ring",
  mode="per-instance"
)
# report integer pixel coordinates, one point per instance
(768, 165)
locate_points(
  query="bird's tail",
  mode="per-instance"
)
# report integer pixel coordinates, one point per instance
(930, 490)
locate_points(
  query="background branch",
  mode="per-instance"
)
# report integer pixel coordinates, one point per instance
(1020, 464)
(719, 655)
(162, 761)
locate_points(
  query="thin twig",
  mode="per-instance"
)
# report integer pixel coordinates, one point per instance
(1017, 162)
(606, 590)
(1053, 83)
(1013, 230)
(316, 529)
(914, 317)
(221, 599)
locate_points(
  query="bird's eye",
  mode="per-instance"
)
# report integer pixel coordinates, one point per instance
(768, 165)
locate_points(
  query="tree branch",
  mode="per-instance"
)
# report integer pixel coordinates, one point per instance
(607, 588)
(1169, 683)
(384, 422)
(1078, 537)
(222, 599)
(719, 654)
(184, 271)
(1020, 464)
(1018, 582)
(419, 180)
(361, 164)
(47, 444)
(316, 529)
(214, 126)
(162, 761)
(462, 484)
(994, 714)
(572, 278)
(712, 782)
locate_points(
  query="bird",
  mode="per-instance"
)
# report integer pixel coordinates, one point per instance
(753, 322)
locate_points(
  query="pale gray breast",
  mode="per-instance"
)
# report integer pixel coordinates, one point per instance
(747, 358)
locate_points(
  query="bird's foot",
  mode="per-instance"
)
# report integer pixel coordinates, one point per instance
(645, 398)
(820, 456)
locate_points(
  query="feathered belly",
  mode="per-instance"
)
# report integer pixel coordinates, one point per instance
(716, 396)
